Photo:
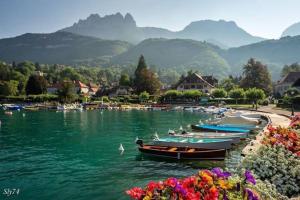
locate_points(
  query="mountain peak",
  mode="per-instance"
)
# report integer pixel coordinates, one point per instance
(292, 30)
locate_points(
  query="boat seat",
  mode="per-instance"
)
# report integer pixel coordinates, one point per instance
(191, 150)
(173, 149)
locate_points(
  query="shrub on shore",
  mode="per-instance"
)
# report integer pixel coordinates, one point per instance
(278, 166)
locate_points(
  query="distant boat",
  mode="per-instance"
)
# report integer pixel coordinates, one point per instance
(12, 107)
(214, 128)
(206, 143)
(181, 153)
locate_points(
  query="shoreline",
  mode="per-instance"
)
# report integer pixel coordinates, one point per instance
(274, 119)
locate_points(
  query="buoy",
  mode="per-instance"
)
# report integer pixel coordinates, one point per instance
(121, 148)
(24, 114)
(156, 136)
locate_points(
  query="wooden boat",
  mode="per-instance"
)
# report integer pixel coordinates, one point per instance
(181, 153)
(234, 139)
(206, 143)
(210, 134)
(242, 126)
(214, 128)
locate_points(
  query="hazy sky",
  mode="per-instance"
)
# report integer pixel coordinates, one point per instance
(265, 18)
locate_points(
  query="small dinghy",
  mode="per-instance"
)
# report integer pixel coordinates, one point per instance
(234, 139)
(214, 128)
(243, 126)
(221, 135)
(205, 143)
(181, 153)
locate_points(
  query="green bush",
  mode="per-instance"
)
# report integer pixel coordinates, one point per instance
(278, 166)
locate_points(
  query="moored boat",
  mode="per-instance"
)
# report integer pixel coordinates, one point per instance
(234, 139)
(206, 143)
(181, 153)
(243, 126)
(214, 128)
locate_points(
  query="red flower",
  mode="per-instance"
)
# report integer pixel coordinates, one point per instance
(189, 182)
(171, 182)
(135, 193)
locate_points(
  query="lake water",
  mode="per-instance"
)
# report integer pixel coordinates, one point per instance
(74, 155)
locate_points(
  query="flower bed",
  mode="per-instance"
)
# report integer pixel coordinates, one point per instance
(207, 185)
(295, 122)
(286, 137)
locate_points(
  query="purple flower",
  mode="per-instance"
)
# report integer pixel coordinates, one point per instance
(249, 177)
(219, 172)
(251, 195)
(180, 189)
(225, 196)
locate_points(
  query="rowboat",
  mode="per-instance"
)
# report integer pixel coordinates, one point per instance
(181, 153)
(214, 128)
(206, 143)
(235, 138)
(243, 126)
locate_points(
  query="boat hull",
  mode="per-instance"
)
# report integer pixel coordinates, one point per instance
(213, 145)
(218, 154)
(213, 128)
(234, 140)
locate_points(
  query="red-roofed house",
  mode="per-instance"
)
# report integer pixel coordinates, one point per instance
(93, 88)
(81, 88)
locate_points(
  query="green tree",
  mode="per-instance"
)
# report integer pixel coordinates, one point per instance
(36, 85)
(67, 92)
(219, 93)
(144, 96)
(256, 75)
(195, 94)
(26, 68)
(255, 94)
(124, 80)
(9, 88)
(295, 67)
(237, 93)
(145, 80)
(228, 84)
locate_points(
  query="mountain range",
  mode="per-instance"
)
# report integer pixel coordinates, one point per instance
(118, 27)
(160, 50)
(60, 48)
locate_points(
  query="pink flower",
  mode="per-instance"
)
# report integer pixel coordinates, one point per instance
(135, 193)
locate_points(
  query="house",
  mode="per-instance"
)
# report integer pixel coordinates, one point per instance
(286, 82)
(297, 84)
(93, 88)
(53, 88)
(81, 88)
(211, 80)
(120, 91)
(196, 82)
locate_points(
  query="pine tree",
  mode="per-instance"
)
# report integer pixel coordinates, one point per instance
(256, 75)
(145, 79)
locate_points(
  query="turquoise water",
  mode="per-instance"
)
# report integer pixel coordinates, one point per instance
(74, 155)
